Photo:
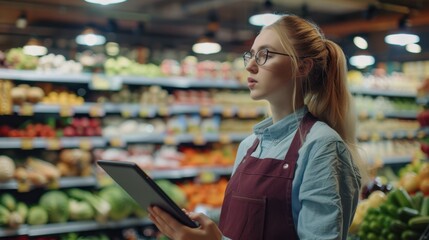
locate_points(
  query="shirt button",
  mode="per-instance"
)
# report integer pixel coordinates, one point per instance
(285, 166)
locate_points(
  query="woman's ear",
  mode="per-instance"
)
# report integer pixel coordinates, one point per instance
(305, 67)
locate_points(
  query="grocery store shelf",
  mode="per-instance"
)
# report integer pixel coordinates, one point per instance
(391, 160)
(382, 92)
(51, 143)
(189, 172)
(93, 142)
(86, 78)
(401, 134)
(183, 82)
(65, 182)
(136, 110)
(29, 75)
(409, 114)
(81, 226)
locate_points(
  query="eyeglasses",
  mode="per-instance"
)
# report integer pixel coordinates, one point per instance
(261, 56)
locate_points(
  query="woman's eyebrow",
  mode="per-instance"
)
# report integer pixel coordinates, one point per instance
(261, 47)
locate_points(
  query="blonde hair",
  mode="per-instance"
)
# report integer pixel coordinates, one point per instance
(325, 88)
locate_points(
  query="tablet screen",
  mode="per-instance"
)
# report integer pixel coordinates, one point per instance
(142, 188)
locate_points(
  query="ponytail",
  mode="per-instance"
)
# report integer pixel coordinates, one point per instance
(325, 89)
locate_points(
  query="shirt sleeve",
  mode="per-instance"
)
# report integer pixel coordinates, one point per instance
(328, 194)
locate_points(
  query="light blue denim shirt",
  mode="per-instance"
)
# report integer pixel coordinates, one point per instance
(325, 189)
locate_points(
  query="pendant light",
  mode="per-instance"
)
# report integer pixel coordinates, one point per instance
(206, 44)
(402, 38)
(105, 2)
(362, 61)
(34, 48)
(265, 17)
(90, 37)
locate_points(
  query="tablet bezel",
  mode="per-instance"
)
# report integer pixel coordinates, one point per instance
(119, 170)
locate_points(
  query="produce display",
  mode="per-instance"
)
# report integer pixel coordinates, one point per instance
(396, 210)
(110, 203)
(41, 170)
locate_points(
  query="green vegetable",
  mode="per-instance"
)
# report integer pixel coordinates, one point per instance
(120, 202)
(22, 209)
(37, 215)
(4, 215)
(7, 200)
(419, 222)
(80, 210)
(417, 200)
(397, 226)
(424, 210)
(406, 213)
(409, 235)
(56, 203)
(101, 206)
(174, 192)
(403, 198)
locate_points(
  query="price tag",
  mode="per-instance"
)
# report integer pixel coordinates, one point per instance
(389, 135)
(379, 115)
(363, 115)
(85, 144)
(23, 186)
(26, 110)
(53, 144)
(144, 112)
(117, 142)
(375, 137)
(27, 144)
(421, 134)
(199, 139)
(411, 134)
(242, 113)
(126, 113)
(54, 184)
(66, 111)
(207, 177)
(364, 136)
(206, 111)
(224, 138)
(96, 111)
(164, 111)
(253, 112)
(228, 111)
(170, 140)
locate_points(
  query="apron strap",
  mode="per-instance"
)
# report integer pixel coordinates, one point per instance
(306, 123)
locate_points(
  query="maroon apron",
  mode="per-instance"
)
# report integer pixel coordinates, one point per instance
(257, 203)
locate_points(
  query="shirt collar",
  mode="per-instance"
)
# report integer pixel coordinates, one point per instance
(282, 128)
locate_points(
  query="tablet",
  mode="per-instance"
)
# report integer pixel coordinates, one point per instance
(143, 189)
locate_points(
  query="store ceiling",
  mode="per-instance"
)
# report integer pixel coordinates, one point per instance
(168, 24)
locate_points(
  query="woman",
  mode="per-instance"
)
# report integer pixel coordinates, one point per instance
(297, 176)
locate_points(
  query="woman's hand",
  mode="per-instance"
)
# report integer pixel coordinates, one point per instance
(173, 229)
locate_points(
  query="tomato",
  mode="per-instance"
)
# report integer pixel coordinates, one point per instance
(424, 186)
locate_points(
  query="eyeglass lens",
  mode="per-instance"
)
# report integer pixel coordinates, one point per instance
(260, 57)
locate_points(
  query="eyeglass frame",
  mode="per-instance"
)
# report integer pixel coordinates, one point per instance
(266, 56)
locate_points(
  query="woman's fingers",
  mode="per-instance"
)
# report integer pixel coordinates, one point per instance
(165, 222)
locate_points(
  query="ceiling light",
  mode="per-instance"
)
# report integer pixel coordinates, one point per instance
(21, 22)
(90, 38)
(401, 39)
(360, 42)
(35, 48)
(105, 2)
(413, 48)
(206, 46)
(362, 61)
(264, 17)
